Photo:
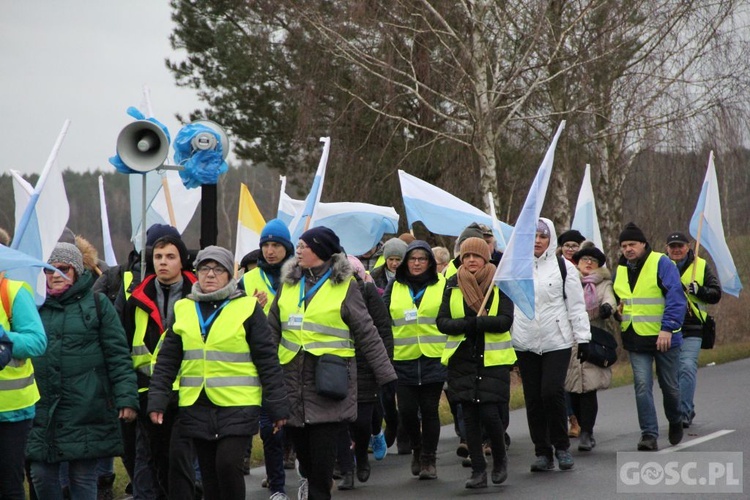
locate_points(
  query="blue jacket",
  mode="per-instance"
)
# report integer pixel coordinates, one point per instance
(29, 340)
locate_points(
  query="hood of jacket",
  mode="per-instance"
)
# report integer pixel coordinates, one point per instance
(552, 248)
(341, 270)
(402, 270)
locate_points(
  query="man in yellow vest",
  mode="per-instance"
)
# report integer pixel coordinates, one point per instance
(651, 308)
(20, 326)
(702, 287)
(160, 468)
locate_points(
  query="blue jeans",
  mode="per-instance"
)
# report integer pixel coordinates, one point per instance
(667, 372)
(691, 348)
(81, 474)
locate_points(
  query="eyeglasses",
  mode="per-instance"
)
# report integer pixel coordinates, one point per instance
(418, 259)
(571, 246)
(589, 259)
(63, 269)
(206, 270)
(301, 246)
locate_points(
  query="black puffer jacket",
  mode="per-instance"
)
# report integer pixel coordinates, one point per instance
(709, 292)
(204, 420)
(367, 386)
(468, 379)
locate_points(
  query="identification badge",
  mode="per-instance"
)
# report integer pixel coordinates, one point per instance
(410, 315)
(295, 320)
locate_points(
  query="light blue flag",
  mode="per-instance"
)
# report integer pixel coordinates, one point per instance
(41, 220)
(13, 259)
(359, 226)
(707, 229)
(515, 273)
(303, 219)
(585, 219)
(443, 213)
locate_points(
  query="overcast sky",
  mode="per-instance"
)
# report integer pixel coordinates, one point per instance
(86, 61)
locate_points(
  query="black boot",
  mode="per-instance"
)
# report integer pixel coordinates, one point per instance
(428, 469)
(584, 441)
(347, 481)
(500, 470)
(415, 464)
(477, 480)
(104, 487)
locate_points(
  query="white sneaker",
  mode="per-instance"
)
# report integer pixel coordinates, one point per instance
(302, 491)
(279, 496)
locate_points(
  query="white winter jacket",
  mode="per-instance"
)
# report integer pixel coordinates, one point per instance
(557, 321)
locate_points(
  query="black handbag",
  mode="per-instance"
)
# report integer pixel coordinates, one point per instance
(709, 333)
(602, 348)
(332, 377)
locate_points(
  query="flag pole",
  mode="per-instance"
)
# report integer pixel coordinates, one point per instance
(168, 198)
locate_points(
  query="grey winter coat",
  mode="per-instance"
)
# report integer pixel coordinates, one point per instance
(306, 406)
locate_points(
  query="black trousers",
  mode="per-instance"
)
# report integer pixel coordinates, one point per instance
(316, 451)
(585, 407)
(481, 419)
(13, 437)
(543, 378)
(221, 467)
(421, 400)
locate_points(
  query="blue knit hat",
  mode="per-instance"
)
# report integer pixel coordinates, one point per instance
(275, 230)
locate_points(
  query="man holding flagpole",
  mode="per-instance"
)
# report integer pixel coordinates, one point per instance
(701, 287)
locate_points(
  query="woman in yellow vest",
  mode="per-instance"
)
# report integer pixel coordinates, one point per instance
(319, 317)
(221, 349)
(20, 324)
(413, 299)
(479, 355)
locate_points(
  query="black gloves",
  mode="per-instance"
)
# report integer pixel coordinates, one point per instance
(6, 348)
(605, 311)
(389, 390)
(471, 326)
(694, 288)
(583, 352)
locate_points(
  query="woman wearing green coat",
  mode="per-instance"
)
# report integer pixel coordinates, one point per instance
(85, 379)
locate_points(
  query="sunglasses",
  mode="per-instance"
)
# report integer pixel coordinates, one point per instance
(63, 269)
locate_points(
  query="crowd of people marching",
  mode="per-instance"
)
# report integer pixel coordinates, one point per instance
(175, 362)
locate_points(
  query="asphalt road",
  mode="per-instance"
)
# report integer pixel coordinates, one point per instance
(722, 404)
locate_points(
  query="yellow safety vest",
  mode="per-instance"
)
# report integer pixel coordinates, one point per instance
(498, 349)
(696, 305)
(419, 336)
(127, 279)
(18, 388)
(321, 330)
(254, 280)
(222, 365)
(643, 307)
(450, 269)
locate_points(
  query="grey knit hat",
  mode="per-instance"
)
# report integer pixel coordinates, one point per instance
(219, 254)
(394, 248)
(67, 254)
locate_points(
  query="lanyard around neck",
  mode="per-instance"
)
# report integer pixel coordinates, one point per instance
(415, 298)
(303, 295)
(267, 281)
(205, 322)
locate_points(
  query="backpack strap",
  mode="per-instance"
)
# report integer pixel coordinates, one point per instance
(5, 298)
(563, 273)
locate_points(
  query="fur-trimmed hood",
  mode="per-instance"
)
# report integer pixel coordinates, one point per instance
(90, 255)
(341, 270)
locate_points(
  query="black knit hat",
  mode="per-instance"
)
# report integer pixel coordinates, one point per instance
(322, 241)
(156, 231)
(632, 233)
(570, 235)
(590, 251)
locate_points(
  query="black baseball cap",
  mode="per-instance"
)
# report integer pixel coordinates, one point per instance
(677, 238)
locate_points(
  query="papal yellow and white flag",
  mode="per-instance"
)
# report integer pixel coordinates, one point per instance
(250, 223)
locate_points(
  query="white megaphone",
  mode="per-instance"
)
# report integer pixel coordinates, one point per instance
(142, 146)
(205, 141)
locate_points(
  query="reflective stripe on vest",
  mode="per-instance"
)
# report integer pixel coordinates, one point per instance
(498, 349)
(643, 307)
(17, 384)
(322, 330)
(222, 366)
(412, 339)
(696, 305)
(252, 281)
